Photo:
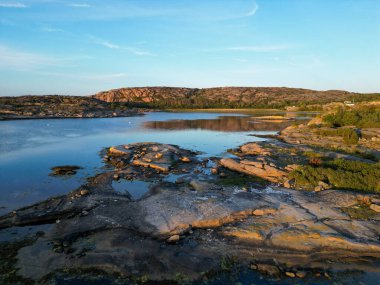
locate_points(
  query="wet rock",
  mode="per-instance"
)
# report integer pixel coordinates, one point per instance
(64, 170)
(159, 157)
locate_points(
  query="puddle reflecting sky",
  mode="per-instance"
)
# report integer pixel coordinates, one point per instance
(29, 148)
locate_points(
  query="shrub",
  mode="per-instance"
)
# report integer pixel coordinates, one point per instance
(362, 117)
(342, 174)
(350, 137)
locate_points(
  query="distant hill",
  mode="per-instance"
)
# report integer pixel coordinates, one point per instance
(226, 97)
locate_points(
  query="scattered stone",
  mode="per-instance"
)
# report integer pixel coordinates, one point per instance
(289, 183)
(268, 269)
(324, 185)
(173, 239)
(214, 170)
(318, 188)
(290, 274)
(84, 192)
(185, 159)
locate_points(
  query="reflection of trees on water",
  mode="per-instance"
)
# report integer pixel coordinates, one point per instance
(227, 124)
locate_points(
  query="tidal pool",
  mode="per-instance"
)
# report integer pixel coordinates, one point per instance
(29, 148)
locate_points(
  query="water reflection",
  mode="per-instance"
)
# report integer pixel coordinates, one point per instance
(224, 124)
(30, 148)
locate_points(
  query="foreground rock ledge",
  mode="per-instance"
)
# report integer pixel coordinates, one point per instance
(177, 228)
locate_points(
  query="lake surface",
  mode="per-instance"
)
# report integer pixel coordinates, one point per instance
(29, 148)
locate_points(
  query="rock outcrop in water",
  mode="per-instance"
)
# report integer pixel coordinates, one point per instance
(192, 224)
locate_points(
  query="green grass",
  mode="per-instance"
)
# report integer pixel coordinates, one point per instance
(342, 174)
(350, 136)
(359, 212)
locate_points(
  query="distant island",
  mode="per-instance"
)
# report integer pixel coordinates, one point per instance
(128, 101)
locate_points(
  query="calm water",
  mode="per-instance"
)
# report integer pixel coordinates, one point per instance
(29, 148)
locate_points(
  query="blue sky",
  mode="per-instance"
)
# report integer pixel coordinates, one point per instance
(82, 47)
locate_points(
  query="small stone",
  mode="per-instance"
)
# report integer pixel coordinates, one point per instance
(253, 266)
(290, 274)
(289, 183)
(57, 221)
(375, 208)
(268, 269)
(222, 174)
(84, 192)
(214, 170)
(318, 188)
(158, 155)
(84, 213)
(173, 239)
(324, 185)
(185, 159)
(116, 176)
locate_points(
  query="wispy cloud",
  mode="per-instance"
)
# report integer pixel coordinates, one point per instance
(24, 60)
(253, 11)
(80, 5)
(12, 5)
(51, 30)
(110, 45)
(87, 76)
(250, 13)
(253, 48)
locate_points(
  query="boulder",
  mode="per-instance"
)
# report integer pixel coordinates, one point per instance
(254, 149)
(255, 168)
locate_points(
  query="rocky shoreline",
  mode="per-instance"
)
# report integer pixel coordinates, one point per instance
(60, 107)
(198, 219)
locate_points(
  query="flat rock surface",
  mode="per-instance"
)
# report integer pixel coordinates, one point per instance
(189, 227)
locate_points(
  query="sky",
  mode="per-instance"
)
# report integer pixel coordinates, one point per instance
(81, 47)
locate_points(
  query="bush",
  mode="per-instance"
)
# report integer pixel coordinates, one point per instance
(342, 174)
(350, 137)
(362, 117)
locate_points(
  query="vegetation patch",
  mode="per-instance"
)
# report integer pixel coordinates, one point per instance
(350, 136)
(8, 253)
(342, 174)
(361, 117)
(359, 212)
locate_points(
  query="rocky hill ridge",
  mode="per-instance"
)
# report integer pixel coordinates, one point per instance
(221, 96)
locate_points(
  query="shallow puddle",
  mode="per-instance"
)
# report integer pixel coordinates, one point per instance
(135, 188)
